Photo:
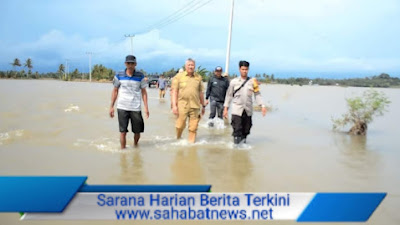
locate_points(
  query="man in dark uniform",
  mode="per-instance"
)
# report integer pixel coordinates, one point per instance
(216, 91)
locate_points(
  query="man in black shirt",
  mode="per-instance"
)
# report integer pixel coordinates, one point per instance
(216, 91)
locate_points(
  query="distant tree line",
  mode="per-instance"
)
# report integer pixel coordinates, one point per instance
(382, 80)
(99, 72)
(102, 73)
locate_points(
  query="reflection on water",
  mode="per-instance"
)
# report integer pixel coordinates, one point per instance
(186, 167)
(351, 142)
(132, 168)
(241, 167)
(355, 151)
(362, 163)
(68, 132)
(227, 169)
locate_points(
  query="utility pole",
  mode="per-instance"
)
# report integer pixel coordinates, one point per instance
(130, 36)
(228, 48)
(90, 65)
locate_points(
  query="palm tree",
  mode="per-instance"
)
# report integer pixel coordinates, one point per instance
(15, 63)
(61, 70)
(28, 64)
(75, 74)
(202, 72)
(102, 69)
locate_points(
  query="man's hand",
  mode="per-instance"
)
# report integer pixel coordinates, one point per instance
(175, 110)
(263, 110)
(112, 112)
(206, 103)
(226, 112)
(203, 110)
(146, 113)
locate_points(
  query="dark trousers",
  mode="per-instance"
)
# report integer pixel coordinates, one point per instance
(216, 107)
(241, 125)
(136, 121)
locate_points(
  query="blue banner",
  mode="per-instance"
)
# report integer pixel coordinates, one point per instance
(42, 197)
(52, 194)
(341, 207)
(37, 194)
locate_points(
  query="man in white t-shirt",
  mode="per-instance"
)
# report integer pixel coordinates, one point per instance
(130, 89)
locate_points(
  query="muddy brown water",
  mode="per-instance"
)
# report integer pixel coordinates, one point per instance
(63, 128)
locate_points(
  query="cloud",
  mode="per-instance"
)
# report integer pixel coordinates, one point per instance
(287, 35)
(155, 53)
(54, 48)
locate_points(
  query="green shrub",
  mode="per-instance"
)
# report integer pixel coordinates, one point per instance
(362, 110)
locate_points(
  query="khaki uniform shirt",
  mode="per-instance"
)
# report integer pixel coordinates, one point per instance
(189, 88)
(243, 99)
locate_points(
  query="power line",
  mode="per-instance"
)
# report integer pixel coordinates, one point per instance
(166, 23)
(178, 14)
(185, 10)
(174, 14)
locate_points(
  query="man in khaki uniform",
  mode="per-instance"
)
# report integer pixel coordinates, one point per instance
(241, 91)
(187, 100)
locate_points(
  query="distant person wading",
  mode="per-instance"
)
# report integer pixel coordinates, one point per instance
(130, 89)
(162, 86)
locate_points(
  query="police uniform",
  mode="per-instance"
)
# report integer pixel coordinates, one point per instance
(242, 105)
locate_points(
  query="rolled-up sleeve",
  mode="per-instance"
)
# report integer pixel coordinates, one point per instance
(257, 94)
(143, 83)
(175, 81)
(258, 98)
(201, 86)
(229, 95)
(116, 82)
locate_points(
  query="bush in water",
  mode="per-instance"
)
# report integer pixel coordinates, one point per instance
(362, 110)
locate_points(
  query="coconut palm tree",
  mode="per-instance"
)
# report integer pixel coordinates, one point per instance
(202, 72)
(61, 70)
(75, 74)
(28, 64)
(15, 63)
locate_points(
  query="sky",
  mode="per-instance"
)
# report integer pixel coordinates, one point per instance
(313, 38)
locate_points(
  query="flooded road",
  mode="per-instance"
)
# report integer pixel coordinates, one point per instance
(63, 128)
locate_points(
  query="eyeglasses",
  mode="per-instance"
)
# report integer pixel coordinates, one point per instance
(130, 63)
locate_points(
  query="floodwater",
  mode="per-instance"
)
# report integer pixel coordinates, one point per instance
(63, 128)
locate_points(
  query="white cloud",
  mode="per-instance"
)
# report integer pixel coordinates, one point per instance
(55, 47)
(310, 35)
